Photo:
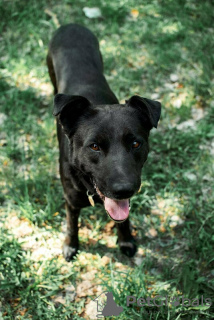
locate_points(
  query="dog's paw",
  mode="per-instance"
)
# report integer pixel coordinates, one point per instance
(128, 248)
(69, 252)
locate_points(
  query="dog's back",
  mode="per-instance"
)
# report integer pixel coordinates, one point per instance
(75, 57)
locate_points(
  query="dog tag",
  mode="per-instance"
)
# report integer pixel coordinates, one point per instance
(90, 199)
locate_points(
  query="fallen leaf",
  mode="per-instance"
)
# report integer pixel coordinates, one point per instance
(22, 312)
(186, 125)
(173, 77)
(70, 293)
(92, 13)
(15, 302)
(105, 260)
(179, 86)
(152, 233)
(5, 163)
(91, 310)
(59, 299)
(90, 275)
(138, 260)
(134, 13)
(162, 229)
(197, 113)
(109, 226)
(92, 241)
(190, 176)
(85, 288)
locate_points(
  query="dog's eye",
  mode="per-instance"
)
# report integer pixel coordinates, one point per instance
(94, 147)
(136, 145)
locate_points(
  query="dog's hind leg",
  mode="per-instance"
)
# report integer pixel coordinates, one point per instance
(126, 241)
(71, 243)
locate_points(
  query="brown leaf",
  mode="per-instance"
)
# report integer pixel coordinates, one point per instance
(85, 288)
(162, 229)
(91, 310)
(59, 299)
(22, 312)
(134, 13)
(109, 226)
(90, 275)
(105, 260)
(152, 233)
(92, 241)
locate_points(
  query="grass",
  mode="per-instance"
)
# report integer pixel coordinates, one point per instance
(158, 49)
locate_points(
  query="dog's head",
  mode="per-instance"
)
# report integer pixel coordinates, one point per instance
(109, 144)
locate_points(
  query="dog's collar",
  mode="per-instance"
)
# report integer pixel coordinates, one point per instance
(87, 182)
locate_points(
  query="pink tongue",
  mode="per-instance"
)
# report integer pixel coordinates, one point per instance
(117, 209)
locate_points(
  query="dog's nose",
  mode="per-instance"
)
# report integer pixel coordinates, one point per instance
(122, 190)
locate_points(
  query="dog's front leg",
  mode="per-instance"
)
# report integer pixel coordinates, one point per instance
(126, 241)
(71, 243)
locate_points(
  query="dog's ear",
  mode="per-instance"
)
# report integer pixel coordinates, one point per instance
(150, 110)
(69, 109)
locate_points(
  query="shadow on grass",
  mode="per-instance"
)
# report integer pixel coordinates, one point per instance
(30, 156)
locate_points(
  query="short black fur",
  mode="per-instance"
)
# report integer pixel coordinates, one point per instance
(89, 114)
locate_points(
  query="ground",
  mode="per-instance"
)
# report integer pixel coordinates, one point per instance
(158, 49)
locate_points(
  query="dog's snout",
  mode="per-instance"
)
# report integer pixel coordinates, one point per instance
(122, 190)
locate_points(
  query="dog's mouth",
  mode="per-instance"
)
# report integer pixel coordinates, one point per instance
(117, 210)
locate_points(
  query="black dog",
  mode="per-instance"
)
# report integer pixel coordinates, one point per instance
(103, 144)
